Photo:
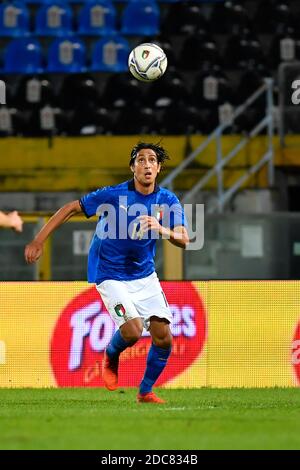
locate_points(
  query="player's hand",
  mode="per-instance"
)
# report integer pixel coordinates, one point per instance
(33, 251)
(16, 222)
(149, 223)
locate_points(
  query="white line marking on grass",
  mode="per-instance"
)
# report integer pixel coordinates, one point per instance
(180, 408)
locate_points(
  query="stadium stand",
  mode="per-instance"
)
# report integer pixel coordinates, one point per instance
(63, 37)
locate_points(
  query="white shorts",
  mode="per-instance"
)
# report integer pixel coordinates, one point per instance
(141, 298)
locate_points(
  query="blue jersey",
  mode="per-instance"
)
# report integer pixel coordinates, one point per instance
(119, 249)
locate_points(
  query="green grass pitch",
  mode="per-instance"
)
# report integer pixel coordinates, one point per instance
(205, 418)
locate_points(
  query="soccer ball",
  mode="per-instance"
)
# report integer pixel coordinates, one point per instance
(147, 62)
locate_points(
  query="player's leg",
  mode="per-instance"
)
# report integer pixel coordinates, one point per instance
(123, 312)
(126, 336)
(153, 308)
(157, 359)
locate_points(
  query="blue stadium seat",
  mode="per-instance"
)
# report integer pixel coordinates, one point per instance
(67, 55)
(23, 55)
(97, 17)
(54, 19)
(14, 19)
(111, 55)
(36, 2)
(141, 18)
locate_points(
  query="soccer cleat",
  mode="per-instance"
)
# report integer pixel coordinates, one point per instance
(149, 397)
(110, 372)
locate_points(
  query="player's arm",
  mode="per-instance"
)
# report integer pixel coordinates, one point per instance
(34, 249)
(178, 236)
(11, 220)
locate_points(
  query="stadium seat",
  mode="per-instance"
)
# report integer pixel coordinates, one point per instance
(199, 51)
(247, 121)
(190, 120)
(166, 46)
(242, 49)
(169, 88)
(63, 121)
(209, 119)
(54, 19)
(88, 119)
(140, 18)
(37, 2)
(37, 128)
(229, 17)
(122, 90)
(28, 123)
(21, 122)
(136, 120)
(96, 18)
(34, 92)
(212, 89)
(284, 48)
(184, 19)
(110, 55)
(250, 80)
(23, 55)
(83, 119)
(5, 121)
(14, 20)
(66, 55)
(271, 17)
(77, 89)
(104, 121)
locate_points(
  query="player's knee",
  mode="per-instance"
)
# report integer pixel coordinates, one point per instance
(134, 338)
(161, 333)
(164, 343)
(132, 334)
(163, 339)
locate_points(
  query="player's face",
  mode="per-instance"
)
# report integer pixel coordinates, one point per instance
(146, 167)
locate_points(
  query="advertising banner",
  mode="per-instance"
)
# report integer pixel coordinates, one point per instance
(225, 334)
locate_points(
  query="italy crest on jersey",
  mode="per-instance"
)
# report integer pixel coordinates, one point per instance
(158, 212)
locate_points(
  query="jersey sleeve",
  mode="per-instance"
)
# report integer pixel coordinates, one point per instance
(91, 201)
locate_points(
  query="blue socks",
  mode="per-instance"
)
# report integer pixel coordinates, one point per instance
(156, 362)
(116, 345)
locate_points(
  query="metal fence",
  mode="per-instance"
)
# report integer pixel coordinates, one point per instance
(247, 247)
(65, 253)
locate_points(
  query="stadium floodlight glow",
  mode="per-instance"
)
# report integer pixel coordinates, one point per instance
(2, 92)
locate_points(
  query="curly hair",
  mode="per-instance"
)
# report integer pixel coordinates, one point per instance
(160, 152)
